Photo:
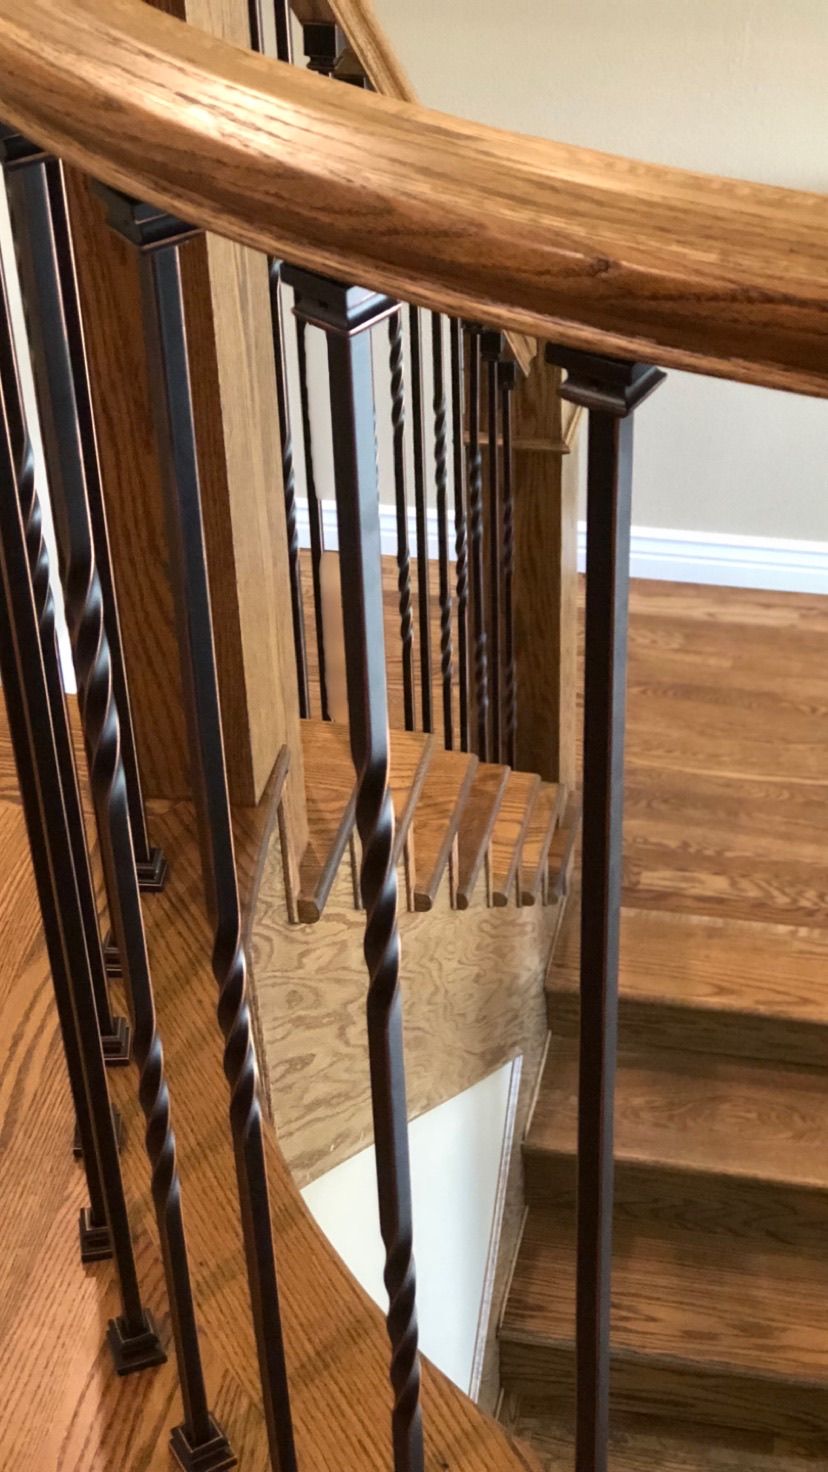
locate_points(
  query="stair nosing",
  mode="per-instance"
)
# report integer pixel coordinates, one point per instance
(424, 896)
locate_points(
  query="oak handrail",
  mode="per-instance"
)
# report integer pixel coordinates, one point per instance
(684, 269)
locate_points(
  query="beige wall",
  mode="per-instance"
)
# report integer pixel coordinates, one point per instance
(737, 87)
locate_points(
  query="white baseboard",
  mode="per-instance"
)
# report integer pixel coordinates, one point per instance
(675, 556)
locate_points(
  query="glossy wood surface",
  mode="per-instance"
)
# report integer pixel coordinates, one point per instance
(689, 270)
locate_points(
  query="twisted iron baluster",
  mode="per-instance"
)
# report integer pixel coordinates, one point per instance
(461, 571)
(346, 313)
(441, 483)
(158, 235)
(33, 194)
(508, 381)
(289, 481)
(421, 513)
(395, 339)
(475, 474)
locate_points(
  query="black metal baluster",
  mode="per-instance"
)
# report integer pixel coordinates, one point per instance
(159, 235)
(27, 647)
(421, 517)
(610, 390)
(289, 480)
(346, 313)
(395, 340)
(478, 596)
(323, 42)
(508, 381)
(441, 483)
(491, 344)
(198, 1441)
(315, 516)
(461, 567)
(281, 19)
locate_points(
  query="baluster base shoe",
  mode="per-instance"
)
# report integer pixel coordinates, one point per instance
(112, 958)
(152, 874)
(95, 1241)
(116, 1044)
(133, 1352)
(117, 1125)
(215, 1455)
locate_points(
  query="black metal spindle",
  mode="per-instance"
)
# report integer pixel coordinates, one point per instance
(508, 381)
(289, 480)
(159, 235)
(441, 483)
(323, 43)
(491, 344)
(610, 390)
(395, 340)
(421, 518)
(461, 566)
(25, 650)
(346, 313)
(37, 225)
(478, 596)
(315, 517)
(281, 19)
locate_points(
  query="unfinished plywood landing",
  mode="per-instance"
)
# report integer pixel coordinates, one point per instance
(720, 1270)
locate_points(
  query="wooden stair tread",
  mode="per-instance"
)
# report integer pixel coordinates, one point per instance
(411, 753)
(679, 1299)
(562, 848)
(699, 961)
(534, 860)
(330, 801)
(640, 1443)
(442, 800)
(686, 1112)
(476, 827)
(509, 832)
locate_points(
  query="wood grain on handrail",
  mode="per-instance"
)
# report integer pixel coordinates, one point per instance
(685, 269)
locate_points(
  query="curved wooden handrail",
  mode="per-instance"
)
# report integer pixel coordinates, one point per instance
(684, 269)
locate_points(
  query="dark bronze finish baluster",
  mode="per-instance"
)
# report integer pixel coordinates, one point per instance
(289, 479)
(423, 599)
(198, 1442)
(159, 235)
(461, 568)
(491, 344)
(27, 646)
(323, 42)
(508, 381)
(315, 515)
(478, 596)
(395, 339)
(610, 390)
(441, 483)
(346, 314)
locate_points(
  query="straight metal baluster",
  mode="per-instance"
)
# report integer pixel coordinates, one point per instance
(25, 651)
(395, 340)
(198, 1441)
(478, 596)
(491, 344)
(159, 235)
(281, 17)
(441, 483)
(346, 314)
(315, 515)
(461, 567)
(508, 381)
(610, 390)
(421, 517)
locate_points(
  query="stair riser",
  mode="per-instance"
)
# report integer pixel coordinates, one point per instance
(683, 1392)
(735, 1035)
(742, 1210)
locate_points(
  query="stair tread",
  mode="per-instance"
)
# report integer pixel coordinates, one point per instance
(509, 832)
(442, 800)
(534, 859)
(330, 803)
(411, 753)
(641, 1443)
(690, 1112)
(562, 848)
(697, 961)
(678, 1299)
(476, 827)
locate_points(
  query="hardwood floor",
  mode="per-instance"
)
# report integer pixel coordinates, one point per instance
(720, 1291)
